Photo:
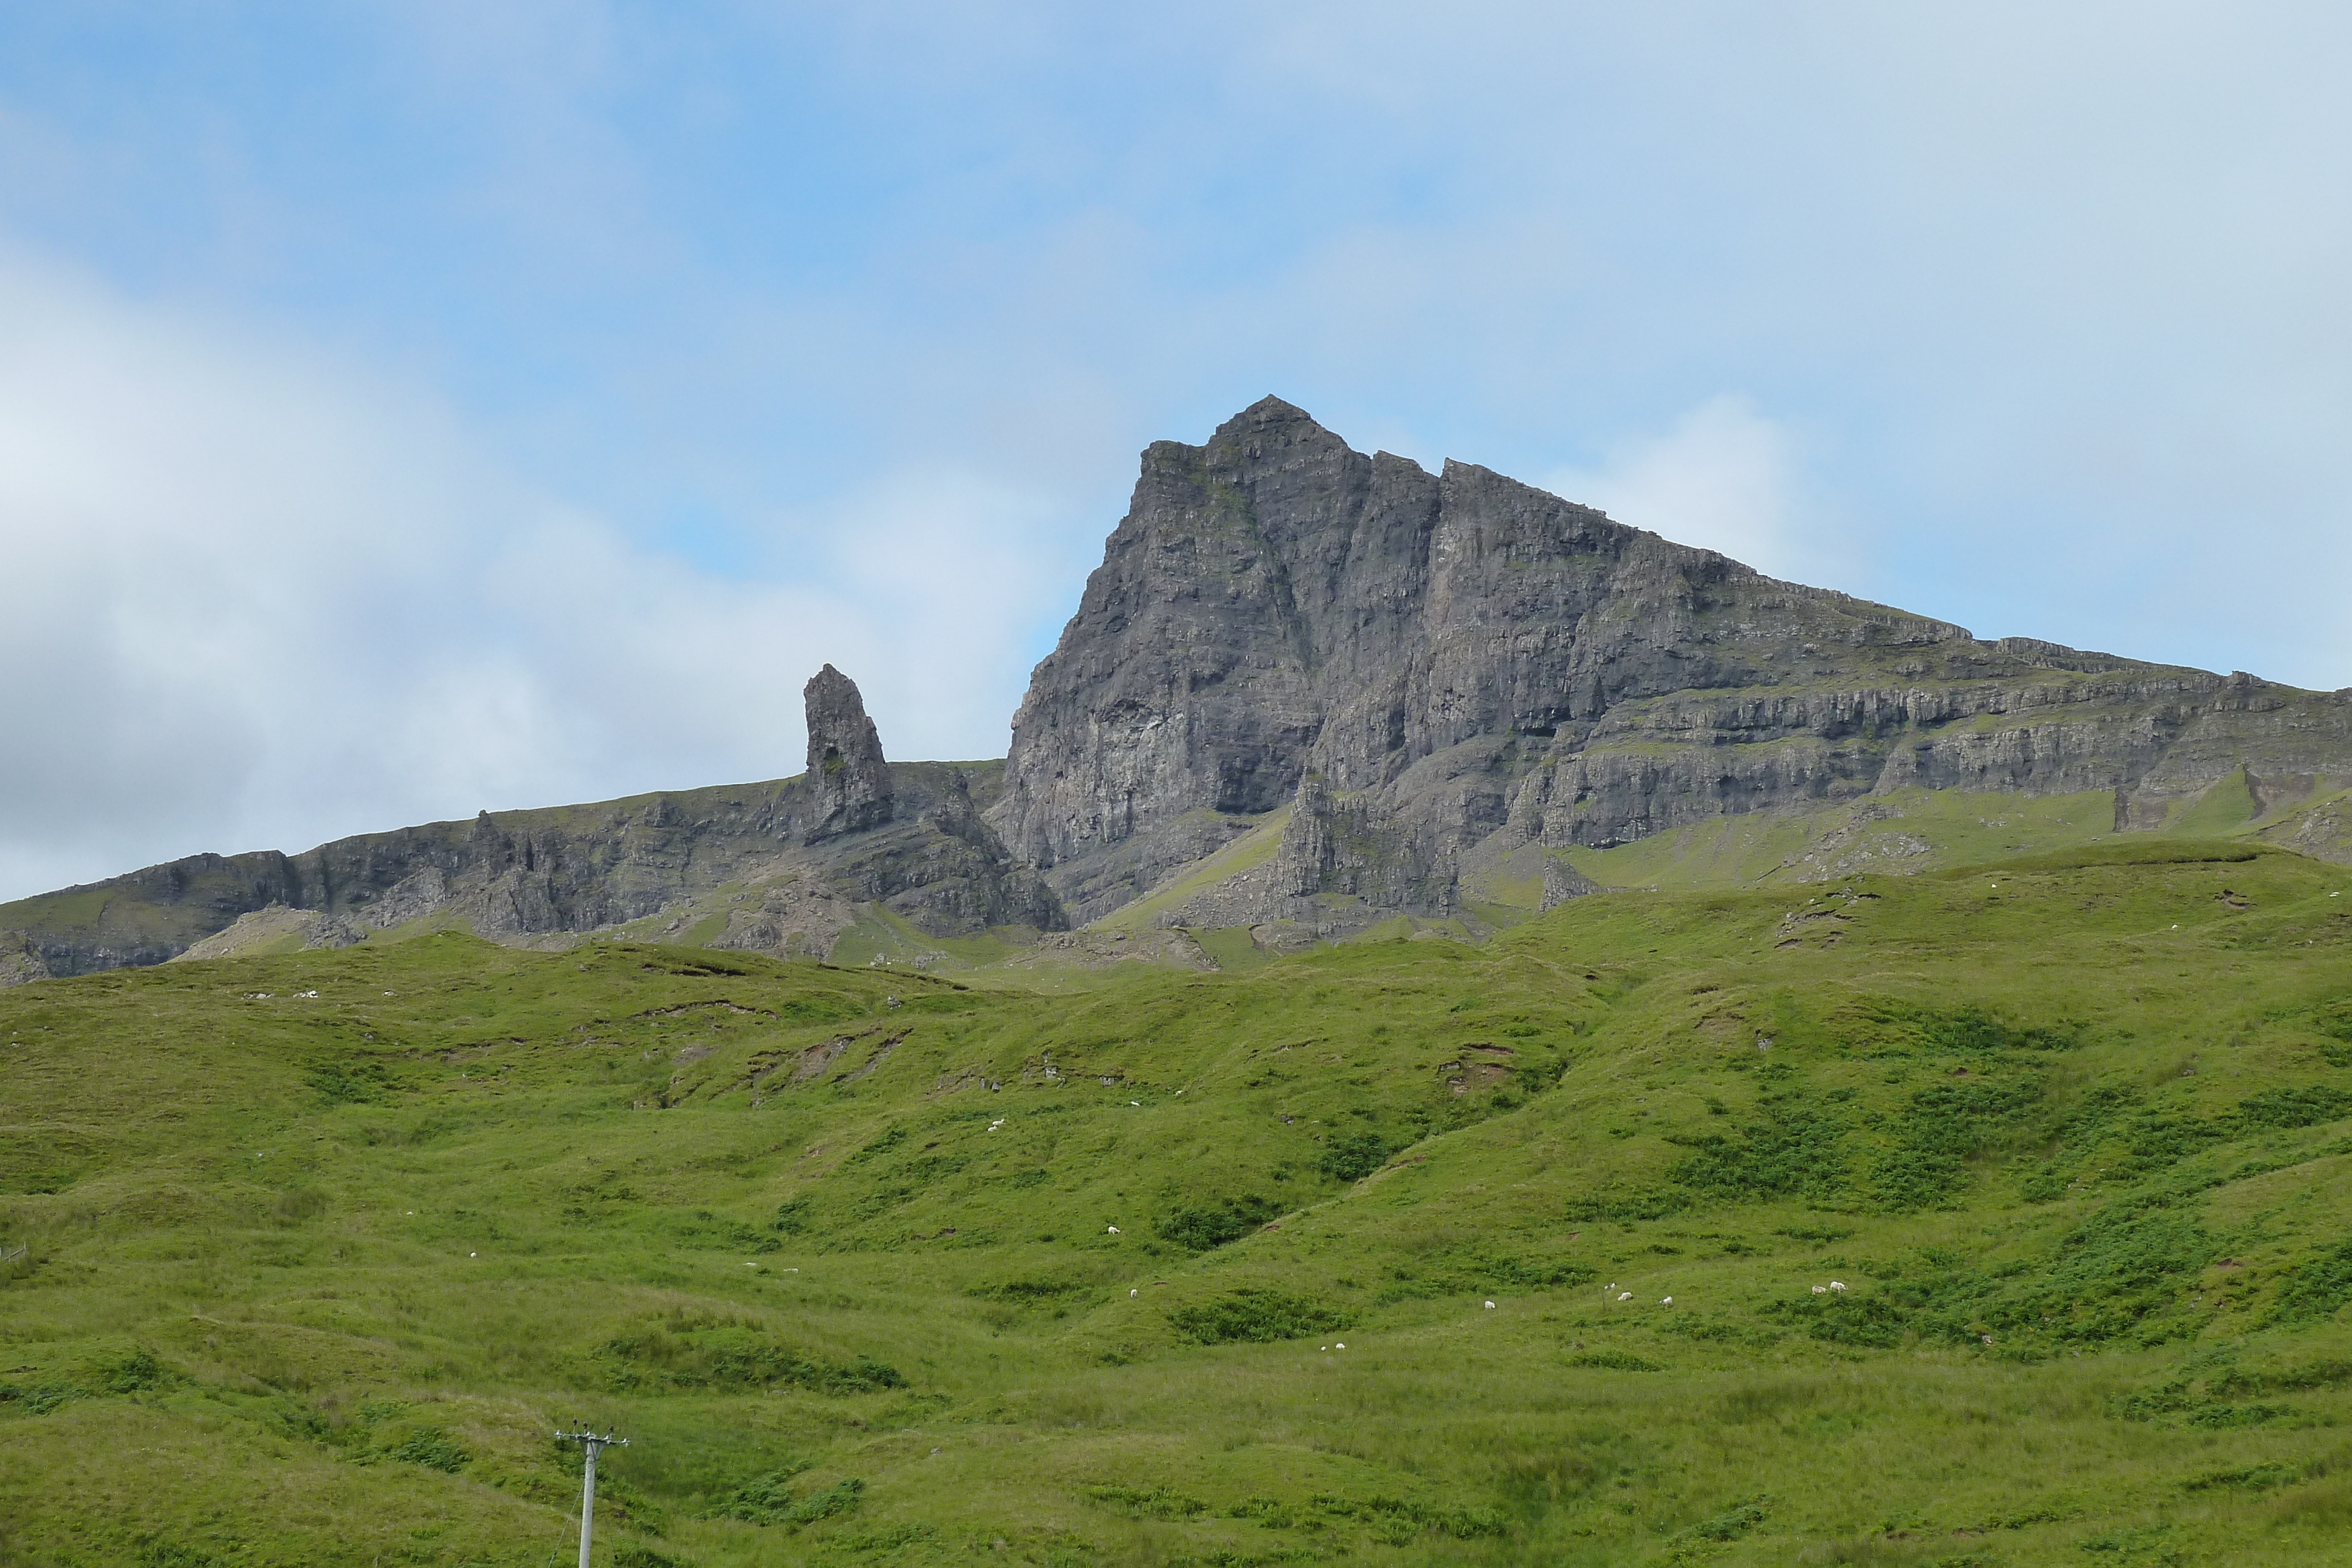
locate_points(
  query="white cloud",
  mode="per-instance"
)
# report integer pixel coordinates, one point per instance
(254, 598)
(1722, 478)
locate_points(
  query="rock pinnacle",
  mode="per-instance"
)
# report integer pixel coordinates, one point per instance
(846, 767)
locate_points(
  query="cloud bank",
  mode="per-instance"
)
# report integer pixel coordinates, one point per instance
(254, 598)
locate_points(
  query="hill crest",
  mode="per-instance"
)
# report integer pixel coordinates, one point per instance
(1312, 693)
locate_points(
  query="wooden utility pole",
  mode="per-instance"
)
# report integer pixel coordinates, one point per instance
(592, 1445)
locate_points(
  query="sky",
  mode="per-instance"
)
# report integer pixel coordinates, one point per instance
(415, 408)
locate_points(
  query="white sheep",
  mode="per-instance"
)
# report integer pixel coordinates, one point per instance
(1837, 1284)
(1667, 1302)
(1490, 1306)
(1625, 1295)
(1114, 1231)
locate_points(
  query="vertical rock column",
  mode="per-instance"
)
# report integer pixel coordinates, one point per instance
(847, 772)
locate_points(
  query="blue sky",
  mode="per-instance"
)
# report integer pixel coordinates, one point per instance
(414, 408)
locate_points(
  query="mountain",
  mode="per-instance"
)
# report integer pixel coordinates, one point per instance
(854, 849)
(1433, 674)
(1308, 693)
(1536, 1131)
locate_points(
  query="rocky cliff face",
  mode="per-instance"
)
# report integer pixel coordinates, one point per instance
(1430, 669)
(1364, 689)
(784, 866)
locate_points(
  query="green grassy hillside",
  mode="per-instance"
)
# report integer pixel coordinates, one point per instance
(1988, 1216)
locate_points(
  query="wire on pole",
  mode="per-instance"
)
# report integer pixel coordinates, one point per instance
(591, 1444)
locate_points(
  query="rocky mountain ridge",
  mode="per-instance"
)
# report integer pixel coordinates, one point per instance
(785, 867)
(1431, 673)
(1307, 692)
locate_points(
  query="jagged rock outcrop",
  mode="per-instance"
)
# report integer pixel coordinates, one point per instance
(784, 866)
(846, 769)
(20, 960)
(1306, 690)
(1428, 668)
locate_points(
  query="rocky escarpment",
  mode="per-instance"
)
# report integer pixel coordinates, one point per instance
(783, 866)
(1308, 689)
(1429, 670)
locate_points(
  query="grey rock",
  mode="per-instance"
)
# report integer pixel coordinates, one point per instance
(544, 878)
(20, 960)
(846, 769)
(1408, 681)
(1421, 665)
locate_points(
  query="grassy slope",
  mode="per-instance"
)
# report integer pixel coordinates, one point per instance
(310, 1278)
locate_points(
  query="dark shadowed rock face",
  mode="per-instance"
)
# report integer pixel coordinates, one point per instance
(845, 769)
(1428, 667)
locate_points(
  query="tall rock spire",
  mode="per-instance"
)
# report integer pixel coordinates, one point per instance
(846, 768)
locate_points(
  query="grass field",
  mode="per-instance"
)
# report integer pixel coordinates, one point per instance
(1995, 1215)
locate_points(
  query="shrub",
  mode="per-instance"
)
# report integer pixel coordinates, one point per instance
(127, 1373)
(1618, 1205)
(40, 1399)
(1792, 1147)
(2316, 1374)
(1257, 1315)
(1965, 1031)
(1158, 1503)
(2304, 1106)
(1872, 1321)
(1942, 1126)
(637, 1554)
(1352, 1157)
(1205, 1229)
(1030, 1292)
(734, 1357)
(2253, 1478)
(840, 1498)
(1461, 1271)
(351, 1082)
(890, 1138)
(2335, 1022)
(2114, 1115)
(2316, 1286)
(435, 1450)
(1732, 1523)
(1396, 1520)
(763, 1500)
